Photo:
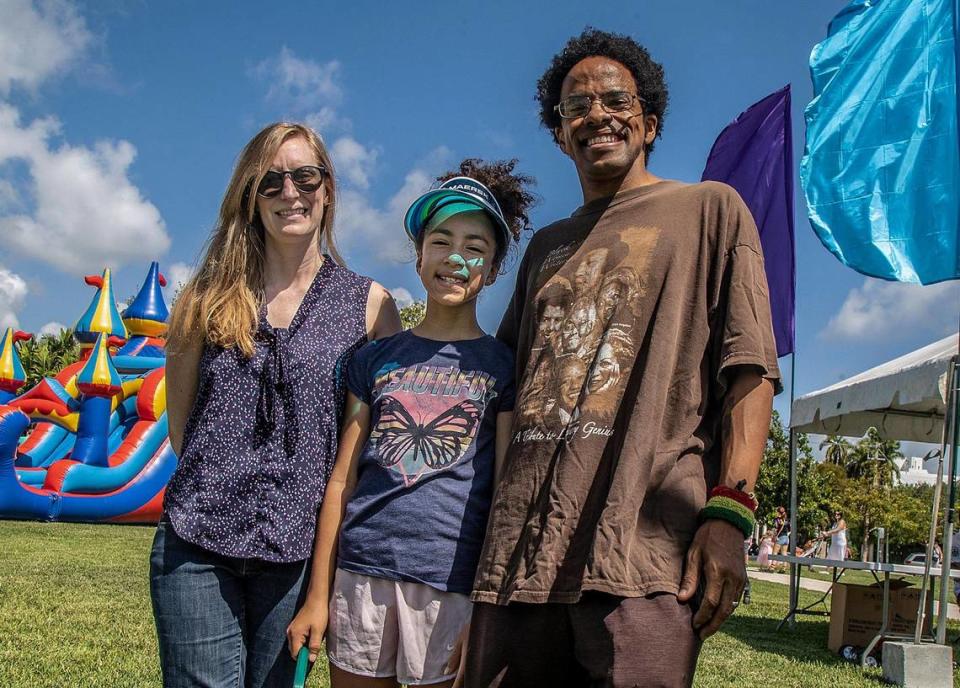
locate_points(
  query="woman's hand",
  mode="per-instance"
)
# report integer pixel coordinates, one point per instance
(308, 628)
(458, 657)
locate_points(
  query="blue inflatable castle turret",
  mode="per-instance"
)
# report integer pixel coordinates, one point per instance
(102, 315)
(98, 381)
(146, 320)
(12, 375)
(147, 314)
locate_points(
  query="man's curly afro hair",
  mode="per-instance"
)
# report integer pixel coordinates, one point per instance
(647, 74)
(511, 189)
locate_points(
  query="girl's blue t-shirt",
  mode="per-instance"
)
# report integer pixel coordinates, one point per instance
(425, 476)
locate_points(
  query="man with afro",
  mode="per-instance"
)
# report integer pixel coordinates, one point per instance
(598, 567)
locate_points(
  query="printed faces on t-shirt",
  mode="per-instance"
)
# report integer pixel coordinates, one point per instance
(584, 342)
(429, 416)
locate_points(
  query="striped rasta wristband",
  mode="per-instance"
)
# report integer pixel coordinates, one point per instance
(732, 506)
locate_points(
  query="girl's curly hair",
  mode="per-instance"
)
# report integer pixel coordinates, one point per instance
(511, 189)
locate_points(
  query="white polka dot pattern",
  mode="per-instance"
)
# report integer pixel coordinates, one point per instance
(261, 439)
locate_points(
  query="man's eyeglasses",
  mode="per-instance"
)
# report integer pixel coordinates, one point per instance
(611, 101)
(307, 179)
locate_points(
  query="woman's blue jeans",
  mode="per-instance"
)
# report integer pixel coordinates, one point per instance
(221, 621)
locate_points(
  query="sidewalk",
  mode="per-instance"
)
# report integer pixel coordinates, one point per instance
(953, 612)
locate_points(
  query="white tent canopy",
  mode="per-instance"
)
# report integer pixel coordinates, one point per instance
(905, 399)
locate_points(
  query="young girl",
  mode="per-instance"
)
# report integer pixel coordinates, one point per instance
(427, 423)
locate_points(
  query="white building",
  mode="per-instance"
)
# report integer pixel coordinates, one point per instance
(914, 472)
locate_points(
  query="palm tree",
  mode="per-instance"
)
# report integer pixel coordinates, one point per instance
(876, 459)
(838, 449)
(47, 355)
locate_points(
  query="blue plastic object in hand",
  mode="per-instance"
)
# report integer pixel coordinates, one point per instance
(303, 664)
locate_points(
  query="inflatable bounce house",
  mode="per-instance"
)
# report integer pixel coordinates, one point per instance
(90, 444)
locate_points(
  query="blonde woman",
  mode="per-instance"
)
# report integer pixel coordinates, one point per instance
(258, 343)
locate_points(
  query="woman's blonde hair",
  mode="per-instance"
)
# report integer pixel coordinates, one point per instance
(221, 302)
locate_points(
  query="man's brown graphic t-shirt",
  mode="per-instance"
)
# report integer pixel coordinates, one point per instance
(626, 319)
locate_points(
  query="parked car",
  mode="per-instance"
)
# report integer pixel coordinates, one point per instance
(919, 558)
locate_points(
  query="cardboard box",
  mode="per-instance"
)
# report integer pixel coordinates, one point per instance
(856, 612)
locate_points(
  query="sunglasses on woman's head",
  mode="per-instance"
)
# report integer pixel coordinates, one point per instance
(307, 179)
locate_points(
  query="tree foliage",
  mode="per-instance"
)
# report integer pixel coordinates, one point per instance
(838, 449)
(773, 483)
(858, 479)
(875, 459)
(412, 314)
(47, 355)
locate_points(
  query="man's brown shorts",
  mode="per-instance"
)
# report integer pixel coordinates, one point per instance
(602, 640)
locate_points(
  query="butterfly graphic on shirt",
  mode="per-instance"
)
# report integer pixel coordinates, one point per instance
(413, 447)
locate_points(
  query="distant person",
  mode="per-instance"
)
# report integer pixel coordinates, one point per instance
(766, 549)
(625, 490)
(259, 339)
(838, 537)
(745, 598)
(781, 535)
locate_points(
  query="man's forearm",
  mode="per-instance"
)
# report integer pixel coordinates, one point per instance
(746, 423)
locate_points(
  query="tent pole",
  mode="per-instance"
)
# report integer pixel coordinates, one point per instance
(794, 569)
(952, 440)
(934, 516)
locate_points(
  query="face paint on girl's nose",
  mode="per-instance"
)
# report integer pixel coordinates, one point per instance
(457, 259)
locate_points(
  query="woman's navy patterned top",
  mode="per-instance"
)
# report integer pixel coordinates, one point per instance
(260, 442)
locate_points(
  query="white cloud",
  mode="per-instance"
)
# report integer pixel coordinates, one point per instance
(52, 328)
(353, 161)
(10, 200)
(312, 92)
(379, 231)
(325, 120)
(13, 292)
(297, 84)
(177, 274)
(88, 212)
(37, 41)
(894, 311)
(402, 296)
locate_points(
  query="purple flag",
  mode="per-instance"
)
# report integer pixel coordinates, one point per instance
(754, 155)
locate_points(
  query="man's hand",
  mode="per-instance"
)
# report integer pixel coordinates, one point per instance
(716, 553)
(308, 628)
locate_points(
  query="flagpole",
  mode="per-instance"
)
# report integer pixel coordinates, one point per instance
(788, 173)
(794, 570)
(952, 409)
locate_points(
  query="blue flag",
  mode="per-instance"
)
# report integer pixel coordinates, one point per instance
(881, 169)
(754, 155)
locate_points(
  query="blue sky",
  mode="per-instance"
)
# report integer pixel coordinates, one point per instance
(120, 121)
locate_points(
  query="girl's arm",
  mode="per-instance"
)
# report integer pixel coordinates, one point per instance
(182, 372)
(383, 318)
(310, 624)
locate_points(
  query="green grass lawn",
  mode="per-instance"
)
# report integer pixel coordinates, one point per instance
(75, 611)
